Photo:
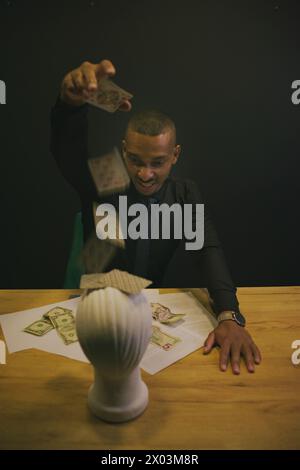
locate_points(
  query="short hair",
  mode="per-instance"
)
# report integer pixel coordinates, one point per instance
(151, 122)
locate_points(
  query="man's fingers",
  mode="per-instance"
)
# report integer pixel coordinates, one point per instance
(224, 355)
(68, 83)
(256, 354)
(209, 342)
(78, 80)
(235, 358)
(125, 106)
(89, 75)
(105, 69)
(69, 92)
(249, 360)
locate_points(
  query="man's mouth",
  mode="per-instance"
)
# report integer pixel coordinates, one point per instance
(146, 185)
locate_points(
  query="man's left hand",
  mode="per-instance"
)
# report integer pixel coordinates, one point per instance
(235, 341)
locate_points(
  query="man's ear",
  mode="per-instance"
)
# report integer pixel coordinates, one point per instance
(123, 146)
(177, 150)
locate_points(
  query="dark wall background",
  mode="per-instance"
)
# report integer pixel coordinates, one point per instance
(222, 69)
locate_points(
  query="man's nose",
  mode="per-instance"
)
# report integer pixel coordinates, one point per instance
(145, 174)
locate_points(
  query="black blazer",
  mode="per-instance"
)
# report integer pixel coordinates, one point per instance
(69, 146)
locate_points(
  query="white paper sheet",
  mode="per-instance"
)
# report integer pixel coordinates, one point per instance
(192, 330)
(17, 340)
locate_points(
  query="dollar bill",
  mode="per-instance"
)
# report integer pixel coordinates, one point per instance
(163, 339)
(163, 314)
(39, 327)
(68, 334)
(66, 319)
(59, 318)
(55, 313)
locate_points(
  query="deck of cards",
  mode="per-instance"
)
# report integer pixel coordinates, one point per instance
(109, 96)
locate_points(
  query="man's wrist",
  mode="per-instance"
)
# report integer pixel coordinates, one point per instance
(62, 103)
(232, 315)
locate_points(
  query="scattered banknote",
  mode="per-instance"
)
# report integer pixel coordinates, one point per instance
(39, 327)
(108, 96)
(61, 319)
(68, 334)
(55, 312)
(163, 314)
(109, 173)
(163, 339)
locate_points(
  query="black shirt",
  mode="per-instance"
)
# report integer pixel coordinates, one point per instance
(69, 146)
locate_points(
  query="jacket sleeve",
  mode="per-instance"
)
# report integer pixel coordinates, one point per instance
(69, 146)
(211, 262)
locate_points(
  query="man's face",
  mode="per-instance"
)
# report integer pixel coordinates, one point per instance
(149, 159)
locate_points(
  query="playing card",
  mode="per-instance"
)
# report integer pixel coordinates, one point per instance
(109, 173)
(97, 254)
(108, 96)
(118, 241)
(122, 280)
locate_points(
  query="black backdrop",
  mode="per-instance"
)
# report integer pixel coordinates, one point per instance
(222, 69)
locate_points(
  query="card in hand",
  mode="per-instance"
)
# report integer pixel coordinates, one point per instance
(109, 96)
(109, 173)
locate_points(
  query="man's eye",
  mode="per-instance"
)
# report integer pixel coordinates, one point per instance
(157, 164)
(134, 161)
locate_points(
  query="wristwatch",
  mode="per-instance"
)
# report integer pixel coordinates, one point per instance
(232, 315)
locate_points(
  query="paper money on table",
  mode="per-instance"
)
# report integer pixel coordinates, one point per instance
(163, 314)
(62, 319)
(55, 312)
(109, 173)
(39, 327)
(192, 331)
(68, 334)
(109, 96)
(162, 339)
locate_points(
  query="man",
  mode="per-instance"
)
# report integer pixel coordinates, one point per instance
(149, 150)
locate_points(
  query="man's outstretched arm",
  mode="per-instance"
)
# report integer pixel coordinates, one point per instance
(234, 340)
(69, 123)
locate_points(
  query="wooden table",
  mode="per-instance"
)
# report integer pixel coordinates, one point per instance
(192, 404)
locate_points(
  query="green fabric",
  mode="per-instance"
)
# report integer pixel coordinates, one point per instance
(75, 268)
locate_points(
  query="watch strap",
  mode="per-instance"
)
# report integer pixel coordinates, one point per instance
(230, 315)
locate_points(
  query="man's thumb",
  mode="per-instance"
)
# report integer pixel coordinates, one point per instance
(209, 342)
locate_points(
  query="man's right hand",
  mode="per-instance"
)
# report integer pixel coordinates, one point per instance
(78, 84)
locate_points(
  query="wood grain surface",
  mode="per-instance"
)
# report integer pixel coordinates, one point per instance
(193, 405)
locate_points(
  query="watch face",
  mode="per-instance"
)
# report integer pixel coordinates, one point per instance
(240, 319)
